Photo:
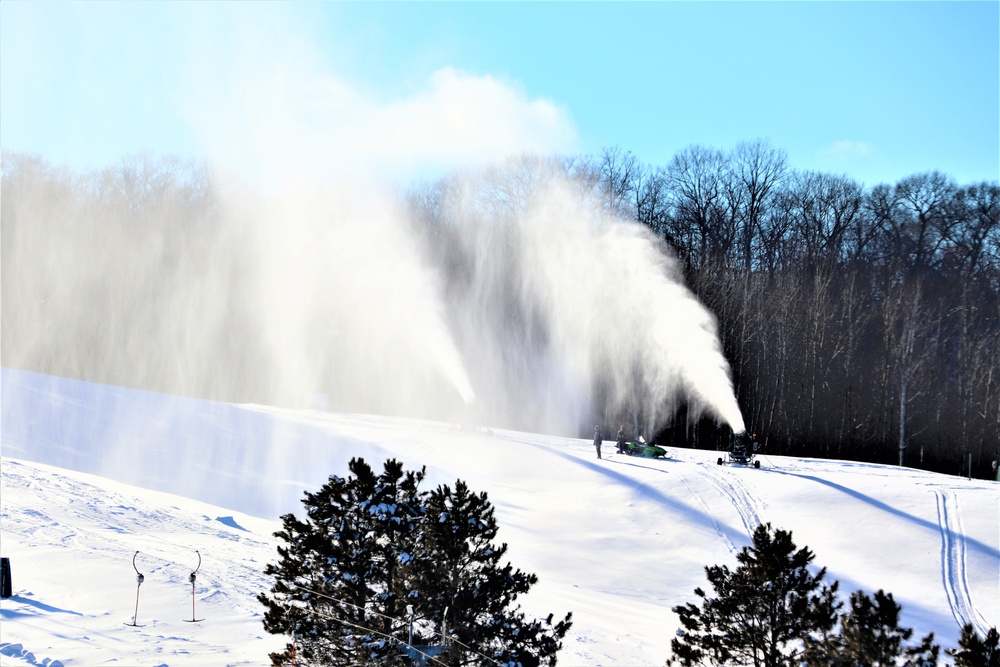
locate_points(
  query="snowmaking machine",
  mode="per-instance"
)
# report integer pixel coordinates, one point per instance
(743, 450)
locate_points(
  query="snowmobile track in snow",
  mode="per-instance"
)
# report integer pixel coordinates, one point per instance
(731, 486)
(709, 513)
(953, 572)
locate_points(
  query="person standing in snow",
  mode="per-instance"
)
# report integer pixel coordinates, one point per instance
(598, 440)
(621, 439)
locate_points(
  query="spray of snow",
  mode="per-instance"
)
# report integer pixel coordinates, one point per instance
(530, 307)
(549, 313)
(564, 309)
(346, 304)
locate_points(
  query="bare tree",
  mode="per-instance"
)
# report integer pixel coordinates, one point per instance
(620, 174)
(695, 179)
(758, 169)
(652, 203)
(826, 207)
(975, 216)
(926, 226)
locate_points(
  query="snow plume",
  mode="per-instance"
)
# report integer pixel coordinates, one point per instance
(524, 295)
(565, 313)
(515, 300)
(345, 303)
(508, 297)
(289, 269)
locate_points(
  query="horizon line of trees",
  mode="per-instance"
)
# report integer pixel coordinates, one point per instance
(859, 322)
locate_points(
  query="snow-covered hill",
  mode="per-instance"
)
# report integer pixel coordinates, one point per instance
(91, 474)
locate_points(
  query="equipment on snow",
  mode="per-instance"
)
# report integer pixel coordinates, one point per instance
(645, 449)
(193, 577)
(139, 578)
(6, 589)
(742, 450)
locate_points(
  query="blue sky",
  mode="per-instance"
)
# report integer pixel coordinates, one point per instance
(876, 90)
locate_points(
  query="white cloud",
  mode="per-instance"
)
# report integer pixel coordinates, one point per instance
(464, 118)
(847, 150)
(263, 102)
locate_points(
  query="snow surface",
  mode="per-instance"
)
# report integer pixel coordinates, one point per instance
(93, 473)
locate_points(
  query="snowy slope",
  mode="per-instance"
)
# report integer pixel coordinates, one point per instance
(617, 541)
(71, 538)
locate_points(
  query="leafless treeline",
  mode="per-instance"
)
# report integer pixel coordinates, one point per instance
(860, 322)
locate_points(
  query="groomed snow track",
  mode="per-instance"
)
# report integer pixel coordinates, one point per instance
(954, 576)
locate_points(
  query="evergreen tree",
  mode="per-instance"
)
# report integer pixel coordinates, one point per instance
(761, 612)
(974, 651)
(336, 589)
(870, 636)
(466, 577)
(375, 548)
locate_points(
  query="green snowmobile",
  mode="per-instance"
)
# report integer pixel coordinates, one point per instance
(645, 449)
